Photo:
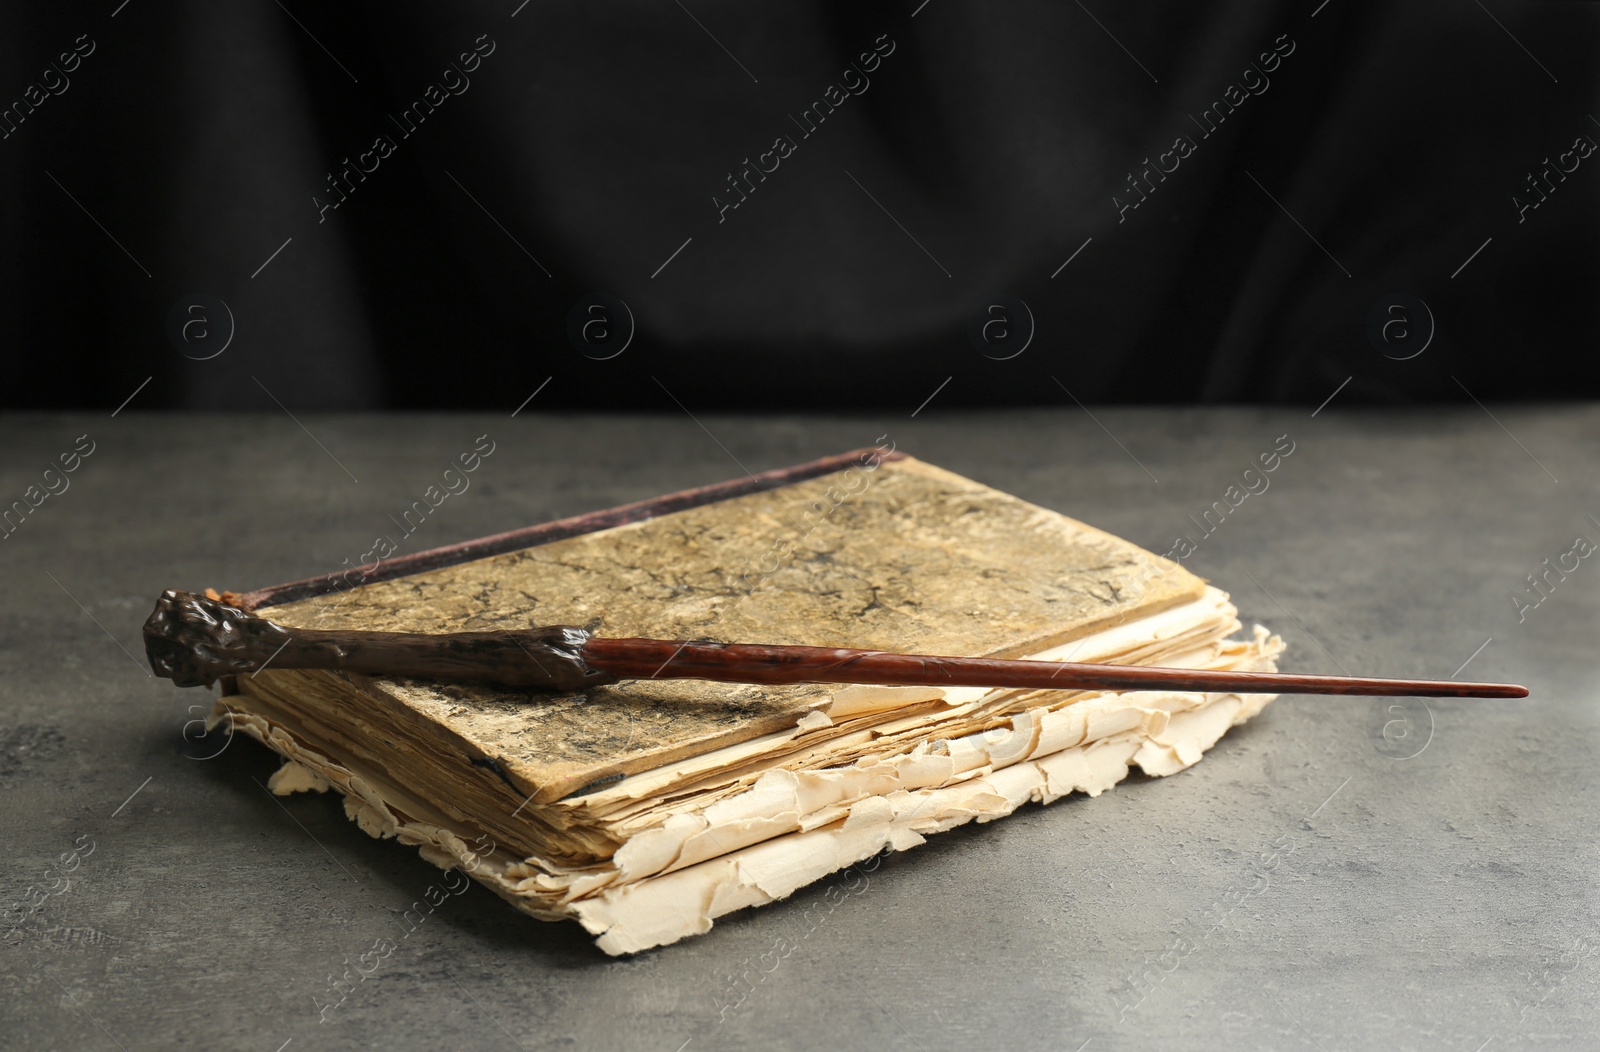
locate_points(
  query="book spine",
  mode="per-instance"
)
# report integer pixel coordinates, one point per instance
(560, 529)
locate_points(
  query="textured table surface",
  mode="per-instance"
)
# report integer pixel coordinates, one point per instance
(1334, 875)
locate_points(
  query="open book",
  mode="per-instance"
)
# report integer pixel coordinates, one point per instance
(647, 808)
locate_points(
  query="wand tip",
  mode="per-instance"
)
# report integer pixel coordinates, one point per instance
(1492, 690)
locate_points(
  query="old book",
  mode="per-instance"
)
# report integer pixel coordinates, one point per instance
(647, 808)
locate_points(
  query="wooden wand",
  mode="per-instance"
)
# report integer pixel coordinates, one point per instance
(193, 641)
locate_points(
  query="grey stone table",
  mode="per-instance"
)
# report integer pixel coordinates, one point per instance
(1335, 875)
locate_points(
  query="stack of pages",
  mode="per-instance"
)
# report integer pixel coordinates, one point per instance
(646, 809)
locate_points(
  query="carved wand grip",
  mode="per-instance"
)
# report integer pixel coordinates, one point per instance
(193, 641)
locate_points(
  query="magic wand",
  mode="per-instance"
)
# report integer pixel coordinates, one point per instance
(193, 641)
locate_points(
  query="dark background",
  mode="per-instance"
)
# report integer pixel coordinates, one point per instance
(194, 138)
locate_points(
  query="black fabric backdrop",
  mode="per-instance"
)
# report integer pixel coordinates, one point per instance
(585, 144)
